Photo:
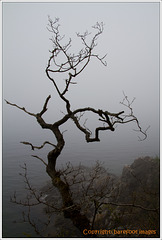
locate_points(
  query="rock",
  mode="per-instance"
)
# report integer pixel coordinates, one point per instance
(137, 187)
(140, 178)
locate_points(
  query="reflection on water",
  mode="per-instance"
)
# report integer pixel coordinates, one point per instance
(15, 154)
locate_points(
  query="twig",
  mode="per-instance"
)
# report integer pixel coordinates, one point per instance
(131, 205)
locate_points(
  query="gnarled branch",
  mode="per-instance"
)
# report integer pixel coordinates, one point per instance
(33, 147)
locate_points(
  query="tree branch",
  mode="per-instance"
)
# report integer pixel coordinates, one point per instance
(21, 108)
(45, 106)
(131, 205)
(33, 147)
(131, 117)
(40, 160)
(73, 64)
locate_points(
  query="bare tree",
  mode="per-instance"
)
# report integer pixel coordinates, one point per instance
(63, 62)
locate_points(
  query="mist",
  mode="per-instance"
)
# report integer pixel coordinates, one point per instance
(131, 42)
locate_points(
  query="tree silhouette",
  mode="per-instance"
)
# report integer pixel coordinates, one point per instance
(69, 65)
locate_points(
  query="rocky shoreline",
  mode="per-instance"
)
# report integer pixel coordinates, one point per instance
(134, 203)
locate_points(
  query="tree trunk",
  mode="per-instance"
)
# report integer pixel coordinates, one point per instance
(70, 210)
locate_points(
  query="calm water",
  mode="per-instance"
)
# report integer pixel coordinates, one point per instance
(16, 154)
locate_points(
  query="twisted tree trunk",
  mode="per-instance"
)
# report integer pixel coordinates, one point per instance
(70, 210)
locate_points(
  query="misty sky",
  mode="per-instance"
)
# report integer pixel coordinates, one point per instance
(131, 41)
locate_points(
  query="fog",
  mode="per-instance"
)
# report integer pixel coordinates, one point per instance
(131, 42)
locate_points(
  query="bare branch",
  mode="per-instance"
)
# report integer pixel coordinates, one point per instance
(21, 108)
(45, 106)
(31, 222)
(74, 62)
(130, 117)
(33, 147)
(131, 205)
(35, 197)
(40, 160)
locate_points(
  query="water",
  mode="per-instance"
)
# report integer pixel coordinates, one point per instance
(16, 154)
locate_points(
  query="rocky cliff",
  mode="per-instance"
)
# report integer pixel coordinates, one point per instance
(132, 201)
(135, 201)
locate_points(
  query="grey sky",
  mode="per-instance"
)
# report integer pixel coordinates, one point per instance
(130, 39)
